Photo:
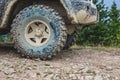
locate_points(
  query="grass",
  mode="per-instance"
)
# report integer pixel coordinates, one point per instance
(91, 72)
(48, 73)
(77, 47)
(6, 38)
(47, 64)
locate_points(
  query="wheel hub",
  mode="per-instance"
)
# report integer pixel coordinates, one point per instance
(37, 33)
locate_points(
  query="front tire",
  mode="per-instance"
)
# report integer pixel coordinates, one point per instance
(38, 32)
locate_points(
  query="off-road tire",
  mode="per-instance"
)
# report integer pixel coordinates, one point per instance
(71, 39)
(57, 28)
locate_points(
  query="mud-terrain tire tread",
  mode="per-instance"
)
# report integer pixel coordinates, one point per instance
(20, 47)
(71, 39)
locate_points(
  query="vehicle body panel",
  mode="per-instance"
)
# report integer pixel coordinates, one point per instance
(6, 6)
(78, 11)
(81, 11)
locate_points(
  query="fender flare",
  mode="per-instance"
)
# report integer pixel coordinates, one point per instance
(67, 5)
(7, 13)
(9, 7)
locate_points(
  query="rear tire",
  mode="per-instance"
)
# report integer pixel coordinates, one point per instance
(71, 39)
(38, 32)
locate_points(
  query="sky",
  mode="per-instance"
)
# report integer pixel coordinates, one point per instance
(109, 3)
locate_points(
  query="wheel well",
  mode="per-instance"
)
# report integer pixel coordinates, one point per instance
(21, 4)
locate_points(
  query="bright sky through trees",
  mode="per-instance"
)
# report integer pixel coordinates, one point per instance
(109, 3)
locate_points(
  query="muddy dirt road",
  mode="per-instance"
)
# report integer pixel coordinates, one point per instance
(83, 64)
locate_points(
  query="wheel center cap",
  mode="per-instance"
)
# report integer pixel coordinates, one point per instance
(38, 33)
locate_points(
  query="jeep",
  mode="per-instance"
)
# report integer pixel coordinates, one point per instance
(42, 28)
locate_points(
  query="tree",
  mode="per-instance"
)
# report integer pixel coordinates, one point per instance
(107, 31)
(95, 34)
(114, 25)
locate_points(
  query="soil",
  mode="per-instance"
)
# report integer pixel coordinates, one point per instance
(83, 64)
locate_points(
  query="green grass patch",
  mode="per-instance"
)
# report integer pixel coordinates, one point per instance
(77, 47)
(47, 64)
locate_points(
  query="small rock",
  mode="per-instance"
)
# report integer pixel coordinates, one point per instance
(33, 75)
(9, 71)
(89, 78)
(67, 59)
(81, 67)
(73, 76)
(24, 79)
(75, 66)
(14, 76)
(102, 66)
(98, 78)
(108, 68)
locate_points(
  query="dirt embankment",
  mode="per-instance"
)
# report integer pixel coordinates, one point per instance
(83, 64)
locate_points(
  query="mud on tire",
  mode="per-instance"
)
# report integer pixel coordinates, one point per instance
(71, 39)
(51, 20)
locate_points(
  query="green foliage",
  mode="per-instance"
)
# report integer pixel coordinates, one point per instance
(106, 32)
(114, 24)
(5, 38)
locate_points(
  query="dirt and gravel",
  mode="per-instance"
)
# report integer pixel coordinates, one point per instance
(83, 64)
